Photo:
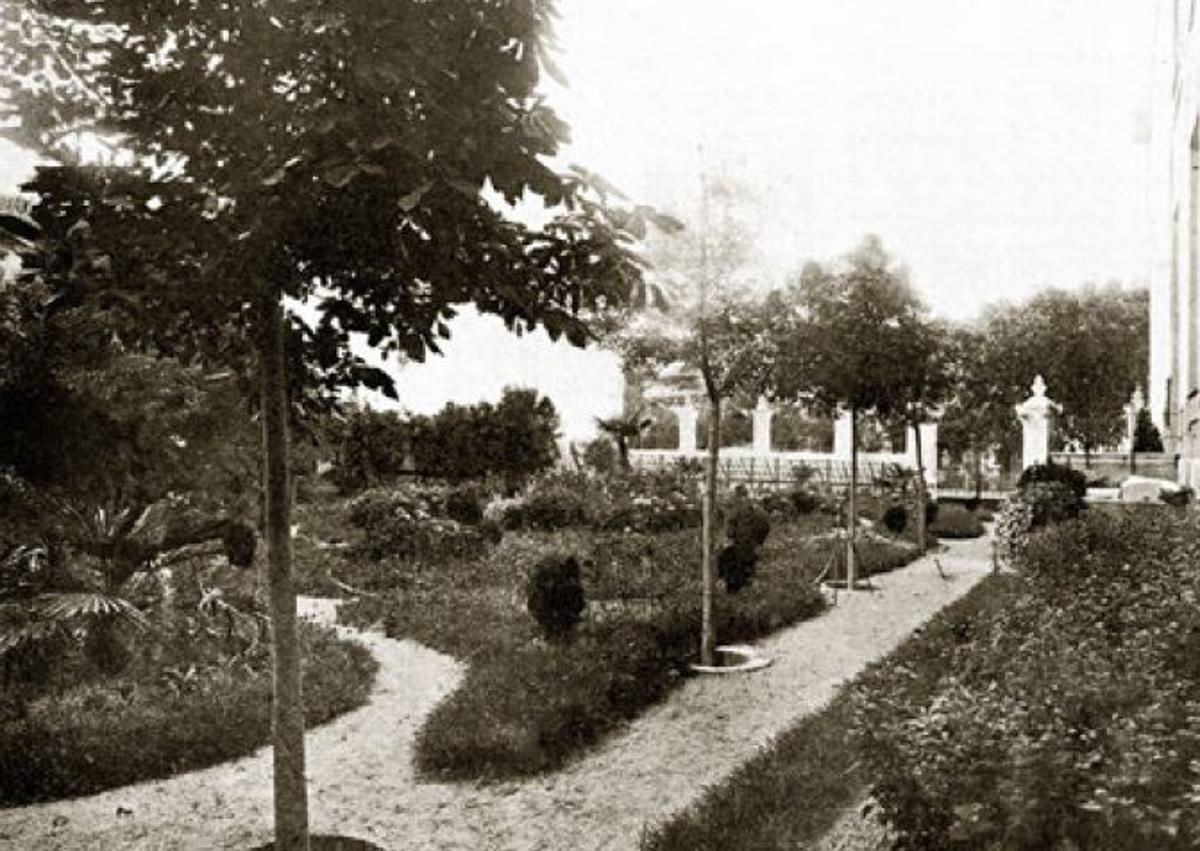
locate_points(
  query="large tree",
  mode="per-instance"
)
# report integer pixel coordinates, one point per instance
(844, 336)
(1090, 345)
(290, 151)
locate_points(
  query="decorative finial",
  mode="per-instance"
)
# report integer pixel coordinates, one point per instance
(1039, 386)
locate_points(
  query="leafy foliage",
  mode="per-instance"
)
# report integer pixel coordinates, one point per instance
(1023, 745)
(1146, 437)
(555, 596)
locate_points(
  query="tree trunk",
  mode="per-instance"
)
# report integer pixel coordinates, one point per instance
(707, 637)
(978, 474)
(852, 507)
(287, 707)
(920, 490)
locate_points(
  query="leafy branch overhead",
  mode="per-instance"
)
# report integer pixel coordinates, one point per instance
(344, 156)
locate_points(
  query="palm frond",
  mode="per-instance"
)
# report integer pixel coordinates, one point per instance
(86, 605)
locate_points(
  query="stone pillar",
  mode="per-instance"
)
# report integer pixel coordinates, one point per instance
(686, 415)
(1035, 413)
(1136, 402)
(762, 427)
(929, 450)
(842, 435)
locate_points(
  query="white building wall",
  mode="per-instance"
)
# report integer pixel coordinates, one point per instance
(1174, 379)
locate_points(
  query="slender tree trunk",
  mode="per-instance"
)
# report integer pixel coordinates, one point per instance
(852, 508)
(707, 632)
(287, 708)
(978, 474)
(920, 490)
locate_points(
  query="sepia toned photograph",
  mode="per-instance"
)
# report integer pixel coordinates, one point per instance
(599, 425)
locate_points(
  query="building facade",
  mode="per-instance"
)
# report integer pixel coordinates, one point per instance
(1174, 391)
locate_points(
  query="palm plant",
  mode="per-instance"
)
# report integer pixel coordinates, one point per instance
(624, 428)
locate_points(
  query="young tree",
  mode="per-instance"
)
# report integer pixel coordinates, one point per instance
(288, 152)
(715, 329)
(924, 379)
(622, 429)
(841, 337)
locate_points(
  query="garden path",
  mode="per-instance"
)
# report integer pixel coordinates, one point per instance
(362, 783)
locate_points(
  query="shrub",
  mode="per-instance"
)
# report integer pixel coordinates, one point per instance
(405, 523)
(748, 526)
(555, 595)
(1050, 502)
(554, 506)
(735, 566)
(955, 521)
(600, 456)
(804, 501)
(464, 503)
(1074, 480)
(1066, 717)
(240, 542)
(1177, 498)
(895, 518)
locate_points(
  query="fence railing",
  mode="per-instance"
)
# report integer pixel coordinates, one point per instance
(780, 469)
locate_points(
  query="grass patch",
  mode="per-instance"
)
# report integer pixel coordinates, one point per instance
(163, 716)
(793, 791)
(527, 706)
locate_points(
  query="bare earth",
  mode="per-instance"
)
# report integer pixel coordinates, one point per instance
(362, 783)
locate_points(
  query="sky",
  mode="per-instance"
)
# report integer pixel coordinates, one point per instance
(996, 147)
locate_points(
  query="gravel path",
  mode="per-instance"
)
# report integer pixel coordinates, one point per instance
(362, 784)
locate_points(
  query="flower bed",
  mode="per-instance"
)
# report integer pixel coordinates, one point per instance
(1072, 717)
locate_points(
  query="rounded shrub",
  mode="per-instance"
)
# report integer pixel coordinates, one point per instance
(464, 503)
(895, 518)
(1073, 480)
(240, 542)
(748, 525)
(555, 595)
(735, 566)
(803, 501)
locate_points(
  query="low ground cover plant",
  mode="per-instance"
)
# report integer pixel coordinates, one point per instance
(1069, 719)
(185, 701)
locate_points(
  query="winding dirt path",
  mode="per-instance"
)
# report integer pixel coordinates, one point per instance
(362, 783)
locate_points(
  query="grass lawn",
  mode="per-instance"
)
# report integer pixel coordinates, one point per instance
(527, 706)
(183, 704)
(795, 789)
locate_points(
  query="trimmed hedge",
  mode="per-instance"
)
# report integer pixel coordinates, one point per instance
(955, 521)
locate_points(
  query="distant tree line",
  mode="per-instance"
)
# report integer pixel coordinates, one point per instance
(512, 440)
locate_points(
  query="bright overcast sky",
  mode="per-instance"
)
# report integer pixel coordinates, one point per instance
(996, 147)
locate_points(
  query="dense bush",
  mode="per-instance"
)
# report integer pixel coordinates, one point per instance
(556, 501)
(1050, 502)
(1074, 480)
(1069, 718)
(955, 521)
(748, 525)
(747, 529)
(240, 542)
(464, 503)
(895, 518)
(555, 595)
(408, 522)
(157, 721)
